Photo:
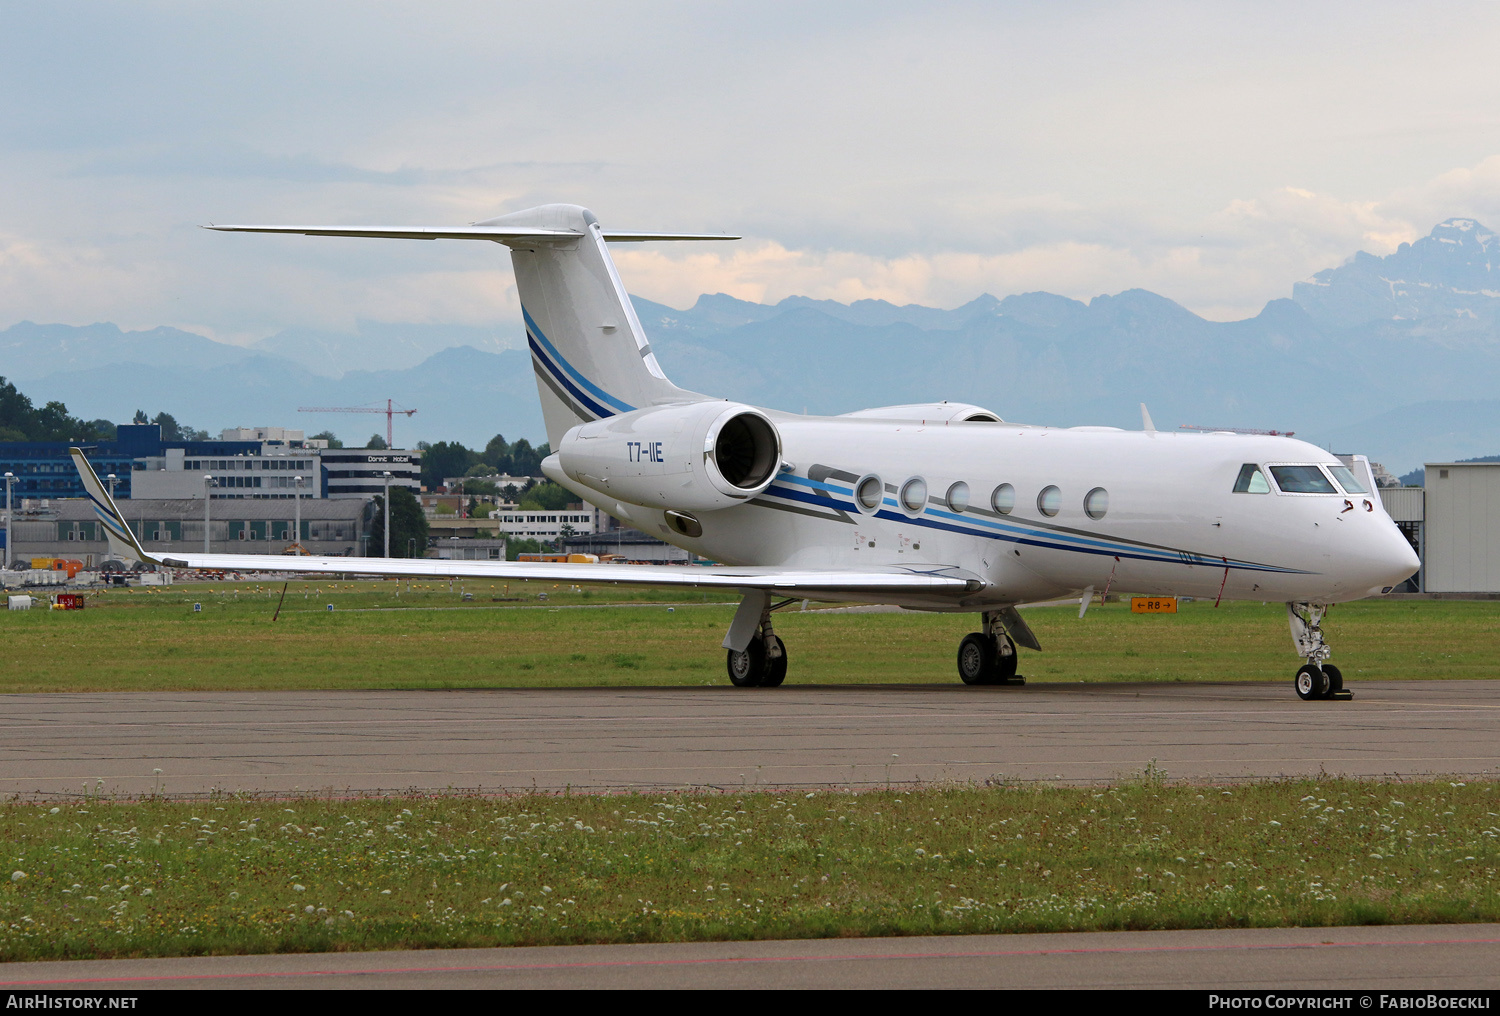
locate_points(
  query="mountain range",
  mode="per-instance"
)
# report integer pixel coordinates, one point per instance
(1397, 357)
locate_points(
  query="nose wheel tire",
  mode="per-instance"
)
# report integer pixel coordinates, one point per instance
(1335, 679)
(1313, 682)
(976, 658)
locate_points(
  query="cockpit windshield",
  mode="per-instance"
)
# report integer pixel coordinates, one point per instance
(1251, 480)
(1302, 480)
(1347, 480)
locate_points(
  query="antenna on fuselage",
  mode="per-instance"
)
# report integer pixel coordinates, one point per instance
(1146, 424)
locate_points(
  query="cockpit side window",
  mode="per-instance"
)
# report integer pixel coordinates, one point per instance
(1251, 480)
(1302, 480)
(1347, 480)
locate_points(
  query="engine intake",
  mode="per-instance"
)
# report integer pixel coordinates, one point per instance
(695, 457)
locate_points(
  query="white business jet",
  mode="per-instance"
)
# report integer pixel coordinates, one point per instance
(940, 507)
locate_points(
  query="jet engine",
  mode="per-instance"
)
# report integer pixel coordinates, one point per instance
(695, 457)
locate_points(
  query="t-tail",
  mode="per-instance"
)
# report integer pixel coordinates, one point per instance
(122, 542)
(590, 353)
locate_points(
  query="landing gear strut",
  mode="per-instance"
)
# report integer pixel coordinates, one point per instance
(1316, 679)
(989, 657)
(761, 660)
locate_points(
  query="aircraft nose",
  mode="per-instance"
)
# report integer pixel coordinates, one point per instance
(1389, 558)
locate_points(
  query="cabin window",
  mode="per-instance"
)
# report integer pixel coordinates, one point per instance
(1347, 480)
(958, 497)
(1251, 480)
(869, 492)
(1096, 503)
(1049, 501)
(1302, 480)
(914, 495)
(1003, 500)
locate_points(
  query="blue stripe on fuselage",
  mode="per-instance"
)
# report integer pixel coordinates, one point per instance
(1015, 533)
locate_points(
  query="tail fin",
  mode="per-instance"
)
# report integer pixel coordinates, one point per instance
(588, 348)
(590, 353)
(122, 542)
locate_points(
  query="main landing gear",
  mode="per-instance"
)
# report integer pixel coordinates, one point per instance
(760, 661)
(1316, 679)
(989, 657)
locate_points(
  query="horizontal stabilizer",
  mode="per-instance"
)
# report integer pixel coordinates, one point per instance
(498, 234)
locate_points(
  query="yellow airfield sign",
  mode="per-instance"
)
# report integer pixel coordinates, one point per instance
(1153, 604)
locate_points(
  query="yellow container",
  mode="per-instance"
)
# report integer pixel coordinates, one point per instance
(42, 563)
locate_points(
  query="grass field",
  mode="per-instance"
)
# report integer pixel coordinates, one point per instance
(99, 878)
(400, 635)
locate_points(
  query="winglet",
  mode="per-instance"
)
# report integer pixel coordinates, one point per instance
(1146, 424)
(122, 542)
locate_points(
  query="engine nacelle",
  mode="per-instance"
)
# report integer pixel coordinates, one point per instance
(930, 412)
(694, 457)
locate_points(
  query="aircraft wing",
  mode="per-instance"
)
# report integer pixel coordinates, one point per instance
(790, 581)
(923, 580)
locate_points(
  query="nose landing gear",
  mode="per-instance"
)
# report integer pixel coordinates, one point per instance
(989, 657)
(1316, 679)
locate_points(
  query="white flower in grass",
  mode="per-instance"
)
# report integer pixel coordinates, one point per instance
(16, 876)
(298, 887)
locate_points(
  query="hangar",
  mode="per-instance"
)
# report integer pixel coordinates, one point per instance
(1453, 520)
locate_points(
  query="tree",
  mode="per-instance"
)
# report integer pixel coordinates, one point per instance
(52, 422)
(442, 460)
(514, 547)
(409, 524)
(170, 431)
(376, 442)
(497, 453)
(327, 435)
(140, 418)
(548, 497)
(524, 460)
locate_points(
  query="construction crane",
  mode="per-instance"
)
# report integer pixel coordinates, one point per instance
(390, 411)
(1238, 430)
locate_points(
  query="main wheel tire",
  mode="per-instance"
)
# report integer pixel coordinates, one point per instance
(976, 659)
(748, 667)
(1335, 679)
(774, 671)
(1312, 683)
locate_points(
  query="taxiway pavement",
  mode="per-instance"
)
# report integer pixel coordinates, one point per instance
(654, 738)
(1285, 960)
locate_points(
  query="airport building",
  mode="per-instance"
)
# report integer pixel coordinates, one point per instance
(70, 529)
(45, 470)
(263, 472)
(360, 472)
(1453, 521)
(546, 526)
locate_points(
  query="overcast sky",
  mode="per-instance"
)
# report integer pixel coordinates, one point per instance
(912, 152)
